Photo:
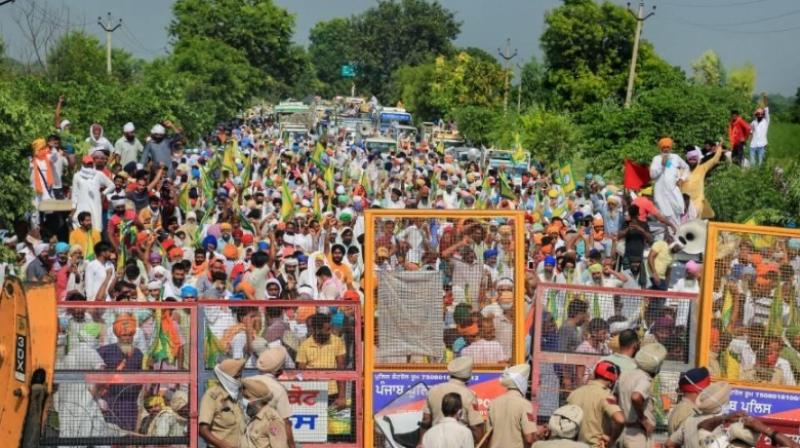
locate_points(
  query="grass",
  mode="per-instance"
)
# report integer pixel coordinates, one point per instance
(784, 142)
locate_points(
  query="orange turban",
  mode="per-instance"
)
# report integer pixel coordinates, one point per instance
(665, 143)
(38, 145)
(230, 252)
(246, 288)
(124, 325)
(471, 330)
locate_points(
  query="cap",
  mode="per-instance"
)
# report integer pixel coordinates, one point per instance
(650, 357)
(271, 360)
(566, 421)
(255, 389)
(714, 398)
(232, 367)
(607, 370)
(460, 367)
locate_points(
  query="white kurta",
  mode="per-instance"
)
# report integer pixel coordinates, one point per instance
(87, 196)
(667, 192)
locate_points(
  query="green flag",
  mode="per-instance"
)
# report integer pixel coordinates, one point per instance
(506, 190)
(566, 179)
(229, 158)
(287, 202)
(212, 348)
(316, 156)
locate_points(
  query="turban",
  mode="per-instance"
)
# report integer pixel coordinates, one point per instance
(566, 421)
(694, 380)
(516, 377)
(460, 367)
(230, 252)
(124, 325)
(714, 398)
(256, 389)
(694, 154)
(650, 357)
(470, 330)
(271, 360)
(665, 143)
(489, 253)
(549, 260)
(596, 268)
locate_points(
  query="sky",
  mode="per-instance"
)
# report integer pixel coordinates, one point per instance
(763, 32)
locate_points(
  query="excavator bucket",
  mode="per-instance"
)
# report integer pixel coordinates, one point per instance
(28, 330)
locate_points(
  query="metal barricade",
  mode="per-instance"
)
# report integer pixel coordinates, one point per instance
(112, 388)
(311, 376)
(134, 373)
(559, 366)
(438, 284)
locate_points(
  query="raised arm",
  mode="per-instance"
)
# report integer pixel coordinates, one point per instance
(57, 117)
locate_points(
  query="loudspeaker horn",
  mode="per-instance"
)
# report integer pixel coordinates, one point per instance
(693, 236)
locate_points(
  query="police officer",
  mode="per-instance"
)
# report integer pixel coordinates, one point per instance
(690, 384)
(603, 420)
(460, 370)
(634, 389)
(710, 403)
(220, 416)
(564, 426)
(511, 414)
(266, 428)
(270, 365)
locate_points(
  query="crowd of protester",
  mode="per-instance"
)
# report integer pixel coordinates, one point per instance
(243, 215)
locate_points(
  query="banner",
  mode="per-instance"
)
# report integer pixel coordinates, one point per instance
(410, 310)
(309, 403)
(404, 392)
(763, 403)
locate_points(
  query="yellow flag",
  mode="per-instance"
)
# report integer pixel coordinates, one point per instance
(440, 148)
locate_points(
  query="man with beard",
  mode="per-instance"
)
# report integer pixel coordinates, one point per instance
(128, 148)
(322, 350)
(122, 356)
(668, 172)
(339, 268)
(205, 283)
(87, 187)
(38, 270)
(172, 287)
(694, 185)
(760, 127)
(158, 149)
(140, 196)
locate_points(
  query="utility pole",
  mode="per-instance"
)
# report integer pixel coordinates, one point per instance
(640, 18)
(519, 90)
(507, 57)
(109, 28)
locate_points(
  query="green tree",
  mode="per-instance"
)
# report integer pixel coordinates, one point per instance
(77, 57)
(412, 85)
(708, 69)
(532, 79)
(397, 33)
(738, 194)
(478, 124)
(330, 47)
(587, 48)
(464, 80)
(260, 29)
(743, 79)
(20, 122)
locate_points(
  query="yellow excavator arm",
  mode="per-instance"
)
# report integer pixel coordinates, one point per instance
(28, 331)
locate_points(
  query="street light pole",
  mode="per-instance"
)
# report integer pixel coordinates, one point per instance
(507, 57)
(109, 28)
(640, 18)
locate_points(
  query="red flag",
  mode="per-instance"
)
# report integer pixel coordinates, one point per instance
(636, 176)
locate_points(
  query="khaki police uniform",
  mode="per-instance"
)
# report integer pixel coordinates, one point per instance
(633, 436)
(511, 416)
(433, 404)
(680, 413)
(688, 434)
(223, 415)
(598, 405)
(266, 430)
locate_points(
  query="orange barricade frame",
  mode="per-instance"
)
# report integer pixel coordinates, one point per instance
(369, 296)
(786, 422)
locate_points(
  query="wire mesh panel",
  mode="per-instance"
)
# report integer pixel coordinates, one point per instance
(438, 285)
(752, 295)
(444, 287)
(91, 413)
(576, 326)
(321, 374)
(124, 375)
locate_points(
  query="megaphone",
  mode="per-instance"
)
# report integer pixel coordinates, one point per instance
(693, 236)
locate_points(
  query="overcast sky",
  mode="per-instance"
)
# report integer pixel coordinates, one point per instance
(764, 32)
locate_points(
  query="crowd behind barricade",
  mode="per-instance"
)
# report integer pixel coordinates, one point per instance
(242, 214)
